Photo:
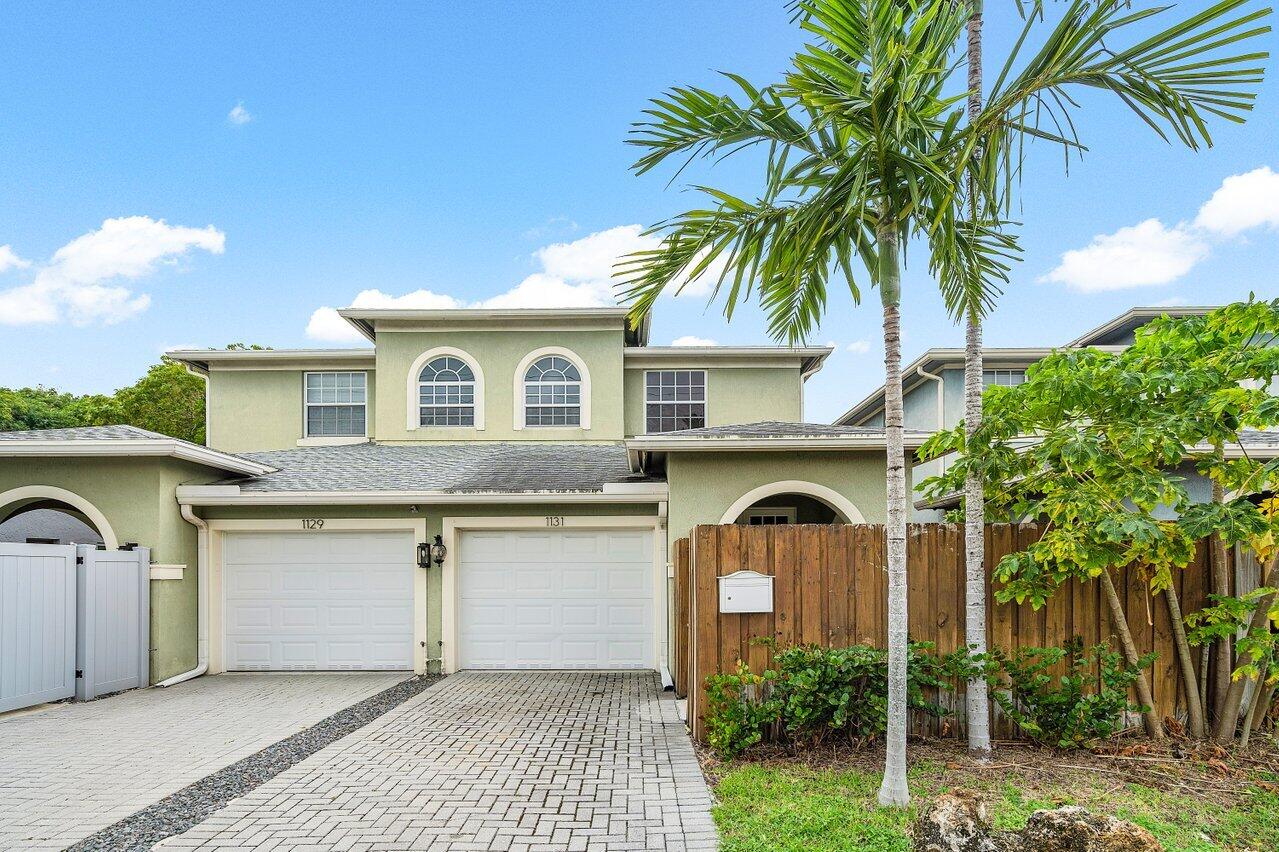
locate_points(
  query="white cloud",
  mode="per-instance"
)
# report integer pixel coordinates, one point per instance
(239, 115)
(80, 281)
(1245, 201)
(859, 347)
(577, 274)
(1143, 255)
(9, 259)
(325, 324)
(693, 340)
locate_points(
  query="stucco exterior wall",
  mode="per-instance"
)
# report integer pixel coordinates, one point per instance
(733, 395)
(253, 410)
(498, 354)
(137, 497)
(704, 485)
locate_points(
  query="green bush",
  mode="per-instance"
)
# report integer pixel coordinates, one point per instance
(739, 709)
(844, 691)
(815, 693)
(1068, 710)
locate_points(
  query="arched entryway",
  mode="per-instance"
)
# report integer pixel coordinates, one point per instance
(46, 513)
(792, 501)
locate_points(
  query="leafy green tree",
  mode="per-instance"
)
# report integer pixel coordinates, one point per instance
(35, 408)
(1111, 434)
(168, 400)
(866, 151)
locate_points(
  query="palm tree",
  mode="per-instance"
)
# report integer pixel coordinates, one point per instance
(865, 154)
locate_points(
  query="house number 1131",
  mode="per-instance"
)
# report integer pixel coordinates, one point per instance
(555, 520)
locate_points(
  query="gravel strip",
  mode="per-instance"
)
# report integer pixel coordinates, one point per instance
(194, 803)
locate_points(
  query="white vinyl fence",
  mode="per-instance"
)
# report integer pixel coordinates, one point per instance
(74, 621)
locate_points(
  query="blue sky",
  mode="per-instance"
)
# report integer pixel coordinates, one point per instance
(299, 155)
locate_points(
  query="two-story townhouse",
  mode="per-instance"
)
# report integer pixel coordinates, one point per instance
(933, 394)
(474, 489)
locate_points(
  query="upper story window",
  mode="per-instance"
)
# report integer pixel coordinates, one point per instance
(552, 392)
(335, 405)
(446, 393)
(1007, 378)
(674, 399)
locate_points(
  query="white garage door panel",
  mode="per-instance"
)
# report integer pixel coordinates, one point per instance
(556, 599)
(334, 600)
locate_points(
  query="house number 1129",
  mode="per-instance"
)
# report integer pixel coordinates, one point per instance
(313, 523)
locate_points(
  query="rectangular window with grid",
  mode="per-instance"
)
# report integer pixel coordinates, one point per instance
(335, 405)
(1006, 378)
(673, 400)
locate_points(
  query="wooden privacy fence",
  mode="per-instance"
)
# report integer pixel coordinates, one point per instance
(830, 589)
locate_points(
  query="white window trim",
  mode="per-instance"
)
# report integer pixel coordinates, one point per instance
(789, 512)
(414, 408)
(309, 440)
(518, 398)
(706, 393)
(829, 496)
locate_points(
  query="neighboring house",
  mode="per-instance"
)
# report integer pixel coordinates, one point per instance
(933, 387)
(476, 489)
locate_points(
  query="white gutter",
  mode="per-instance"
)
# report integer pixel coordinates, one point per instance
(941, 396)
(231, 495)
(731, 443)
(96, 447)
(202, 599)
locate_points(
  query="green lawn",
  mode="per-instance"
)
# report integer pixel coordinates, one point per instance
(781, 806)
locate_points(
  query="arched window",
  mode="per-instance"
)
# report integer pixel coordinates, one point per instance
(552, 393)
(446, 393)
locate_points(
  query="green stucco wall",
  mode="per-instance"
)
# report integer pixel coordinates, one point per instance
(498, 354)
(137, 497)
(435, 516)
(733, 395)
(704, 485)
(253, 410)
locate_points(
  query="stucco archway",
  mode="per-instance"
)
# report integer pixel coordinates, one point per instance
(834, 499)
(30, 493)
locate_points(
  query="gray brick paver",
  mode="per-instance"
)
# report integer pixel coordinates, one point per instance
(72, 769)
(491, 761)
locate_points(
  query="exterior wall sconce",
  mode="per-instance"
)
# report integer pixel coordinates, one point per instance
(428, 553)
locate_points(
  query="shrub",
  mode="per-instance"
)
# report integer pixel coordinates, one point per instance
(1060, 710)
(844, 691)
(739, 709)
(814, 693)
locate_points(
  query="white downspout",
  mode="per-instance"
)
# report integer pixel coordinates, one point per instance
(941, 406)
(202, 598)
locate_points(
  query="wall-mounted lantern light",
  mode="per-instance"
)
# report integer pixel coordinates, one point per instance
(428, 553)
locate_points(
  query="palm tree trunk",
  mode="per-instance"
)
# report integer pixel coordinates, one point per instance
(1220, 586)
(1194, 707)
(977, 700)
(1228, 720)
(1154, 729)
(893, 791)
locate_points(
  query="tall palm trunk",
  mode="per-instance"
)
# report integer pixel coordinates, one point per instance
(893, 791)
(977, 701)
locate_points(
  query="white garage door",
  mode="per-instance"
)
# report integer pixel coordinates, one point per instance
(579, 599)
(317, 601)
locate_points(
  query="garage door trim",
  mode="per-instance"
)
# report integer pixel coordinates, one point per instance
(217, 529)
(454, 526)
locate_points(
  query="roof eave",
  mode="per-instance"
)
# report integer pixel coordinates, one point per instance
(232, 495)
(134, 447)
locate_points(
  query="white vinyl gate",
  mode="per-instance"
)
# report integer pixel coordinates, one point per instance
(74, 621)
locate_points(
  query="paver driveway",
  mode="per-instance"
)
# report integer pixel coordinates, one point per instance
(70, 770)
(530, 760)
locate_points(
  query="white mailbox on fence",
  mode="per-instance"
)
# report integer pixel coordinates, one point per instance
(746, 591)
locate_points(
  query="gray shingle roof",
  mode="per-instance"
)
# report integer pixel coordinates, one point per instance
(85, 433)
(474, 467)
(1258, 438)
